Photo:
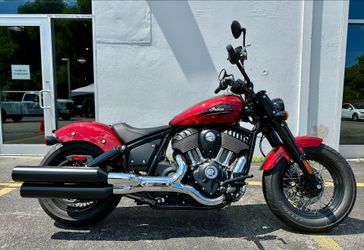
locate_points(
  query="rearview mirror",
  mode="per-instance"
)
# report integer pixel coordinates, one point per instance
(236, 29)
(222, 75)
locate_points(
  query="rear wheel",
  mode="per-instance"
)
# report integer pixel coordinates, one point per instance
(288, 196)
(74, 212)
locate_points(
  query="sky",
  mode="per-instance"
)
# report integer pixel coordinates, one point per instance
(355, 42)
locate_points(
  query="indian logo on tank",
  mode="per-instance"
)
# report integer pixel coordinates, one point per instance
(225, 108)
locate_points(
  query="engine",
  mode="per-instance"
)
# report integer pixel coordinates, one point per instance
(213, 155)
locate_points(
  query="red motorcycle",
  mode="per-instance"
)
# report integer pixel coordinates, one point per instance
(91, 166)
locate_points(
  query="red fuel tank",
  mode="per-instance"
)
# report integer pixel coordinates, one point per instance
(218, 110)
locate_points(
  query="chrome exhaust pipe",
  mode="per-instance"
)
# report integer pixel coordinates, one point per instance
(128, 183)
(50, 182)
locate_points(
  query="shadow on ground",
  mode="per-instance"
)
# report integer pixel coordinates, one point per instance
(252, 222)
(144, 223)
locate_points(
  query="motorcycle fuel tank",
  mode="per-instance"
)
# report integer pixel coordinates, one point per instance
(217, 110)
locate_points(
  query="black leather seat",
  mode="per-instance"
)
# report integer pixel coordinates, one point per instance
(128, 133)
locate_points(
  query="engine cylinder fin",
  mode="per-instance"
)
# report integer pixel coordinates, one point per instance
(186, 140)
(232, 142)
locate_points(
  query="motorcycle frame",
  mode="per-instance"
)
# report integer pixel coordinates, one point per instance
(280, 150)
(165, 136)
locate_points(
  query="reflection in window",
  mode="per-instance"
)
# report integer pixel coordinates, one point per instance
(352, 114)
(45, 7)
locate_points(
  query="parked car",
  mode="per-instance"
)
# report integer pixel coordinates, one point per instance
(15, 105)
(354, 111)
(84, 105)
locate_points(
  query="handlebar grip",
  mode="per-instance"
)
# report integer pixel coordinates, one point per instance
(217, 90)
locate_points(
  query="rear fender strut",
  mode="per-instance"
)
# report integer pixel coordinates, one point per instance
(279, 152)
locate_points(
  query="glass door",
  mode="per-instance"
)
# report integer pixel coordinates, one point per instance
(25, 84)
(73, 70)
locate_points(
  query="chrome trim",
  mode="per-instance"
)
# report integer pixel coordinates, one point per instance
(227, 159)
(238, 168)
(202, 159)
(217, 158)
(129, 183)
(193, 161)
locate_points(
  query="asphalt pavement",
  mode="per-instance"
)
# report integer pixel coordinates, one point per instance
(352, 132)
(248, 224)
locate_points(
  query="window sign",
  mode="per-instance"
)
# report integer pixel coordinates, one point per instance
(20, 72)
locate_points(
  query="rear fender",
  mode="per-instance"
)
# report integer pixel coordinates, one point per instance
(98, 134)
(279, 152)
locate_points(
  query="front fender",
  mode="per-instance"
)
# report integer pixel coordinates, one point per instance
(279, 152)
(96, 133)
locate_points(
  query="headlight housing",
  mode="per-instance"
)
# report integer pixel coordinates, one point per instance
(278, 104)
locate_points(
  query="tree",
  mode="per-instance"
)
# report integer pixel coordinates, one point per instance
(42, 7)
(354, 82)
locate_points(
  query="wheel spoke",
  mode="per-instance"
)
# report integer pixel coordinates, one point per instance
(296, 190)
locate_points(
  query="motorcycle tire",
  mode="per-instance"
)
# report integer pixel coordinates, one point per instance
(289, 210)
(75, 213)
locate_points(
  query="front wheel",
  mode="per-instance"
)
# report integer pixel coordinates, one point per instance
(74, 212)
(288, 196)
(355, 117)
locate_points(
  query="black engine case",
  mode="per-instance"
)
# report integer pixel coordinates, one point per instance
(210, 142)
(208, 176)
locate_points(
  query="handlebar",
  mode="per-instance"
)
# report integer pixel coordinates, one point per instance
(237, 87)
(237, 56)
(217, 90)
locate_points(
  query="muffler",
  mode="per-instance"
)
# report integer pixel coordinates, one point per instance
(33, 190)
(59, 175)
(54, 182)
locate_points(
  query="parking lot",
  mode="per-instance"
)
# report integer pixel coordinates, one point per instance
(28, 130)
(352, 132)
(248, 224)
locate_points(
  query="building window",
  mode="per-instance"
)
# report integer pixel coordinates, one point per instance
(45, 7)
(352, 114)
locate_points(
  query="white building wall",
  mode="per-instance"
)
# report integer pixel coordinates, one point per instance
(154, 59)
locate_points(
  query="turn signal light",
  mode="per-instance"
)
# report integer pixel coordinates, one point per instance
(282, 116)
(286, 115)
